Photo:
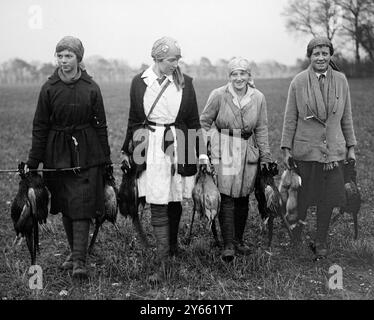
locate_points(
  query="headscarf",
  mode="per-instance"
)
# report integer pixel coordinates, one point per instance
(74, 45)
(317, 42)
(321, 41)
(168, 47)
(240, 63)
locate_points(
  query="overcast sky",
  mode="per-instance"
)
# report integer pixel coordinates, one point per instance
(255, 29)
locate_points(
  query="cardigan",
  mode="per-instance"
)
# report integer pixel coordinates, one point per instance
(311, 139)
(187, 119)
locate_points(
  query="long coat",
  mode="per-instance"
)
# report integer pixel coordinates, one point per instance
(70, 130)
(236, 158)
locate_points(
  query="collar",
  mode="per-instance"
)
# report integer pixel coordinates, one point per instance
(324, 73)
(54, 78)
(150, 76)
(244, 100)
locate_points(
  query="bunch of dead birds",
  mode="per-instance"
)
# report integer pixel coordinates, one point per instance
(31, 204)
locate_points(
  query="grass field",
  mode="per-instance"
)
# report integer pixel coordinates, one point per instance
(120, 265)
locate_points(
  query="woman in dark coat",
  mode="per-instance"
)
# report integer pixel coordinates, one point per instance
(69, 130)
(167, 167)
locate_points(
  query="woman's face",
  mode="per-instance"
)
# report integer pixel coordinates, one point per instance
(67, 61)
(239, 79)
(168, 65)
(320, 58)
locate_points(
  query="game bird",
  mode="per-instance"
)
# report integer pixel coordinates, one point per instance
(30, 208)
(352, 194)
(129, 202)
(206, 198)
(268, 197)
(110, 207)
(289, 186)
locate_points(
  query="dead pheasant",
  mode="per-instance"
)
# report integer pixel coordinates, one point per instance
(110, 207)
(352, 194)
(288, 187)
(29, 208)
(129, 201)
(206, 198)
(269, 200)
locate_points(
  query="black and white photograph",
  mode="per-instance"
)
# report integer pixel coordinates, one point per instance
(185, 157)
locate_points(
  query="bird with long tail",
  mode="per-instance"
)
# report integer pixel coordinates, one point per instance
(270, 204)
(110, 206)
(130, 204)
(30, 208)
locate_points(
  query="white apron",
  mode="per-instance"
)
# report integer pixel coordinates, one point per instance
(156, 183)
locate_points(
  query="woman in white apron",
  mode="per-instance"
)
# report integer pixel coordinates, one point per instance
(163, 109)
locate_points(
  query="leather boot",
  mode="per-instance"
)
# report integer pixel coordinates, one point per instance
(226, 221)
(174, 214)
(68, 226)
(160, 223)
(80, 243)
(240, 220)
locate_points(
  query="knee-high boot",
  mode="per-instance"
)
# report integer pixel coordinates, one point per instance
(68, 226)
(240, 221)
(160, 223)
(323, 222)
(80, 243)
(226, 221)
(174, 214)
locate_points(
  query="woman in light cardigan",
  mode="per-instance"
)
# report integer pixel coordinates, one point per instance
(318, 133)
(238, 141)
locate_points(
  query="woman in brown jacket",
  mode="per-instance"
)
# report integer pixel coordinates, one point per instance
(69, 130)
(238, 141)
(318, 133)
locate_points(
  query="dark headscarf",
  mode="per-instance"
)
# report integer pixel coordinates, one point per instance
(72, 44)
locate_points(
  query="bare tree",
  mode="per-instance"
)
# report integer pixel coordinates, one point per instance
(315, 17)
(368, 39)
(355, 15)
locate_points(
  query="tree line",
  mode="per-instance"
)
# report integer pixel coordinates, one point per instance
(18, 71)
(349, 24)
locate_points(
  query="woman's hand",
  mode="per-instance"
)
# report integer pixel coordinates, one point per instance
(286, 156)
(204, 162)
(264, 165)
(125, 162)
(351, 153)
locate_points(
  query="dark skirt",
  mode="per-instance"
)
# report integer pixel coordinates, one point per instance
(319, 187)
(76, 195)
